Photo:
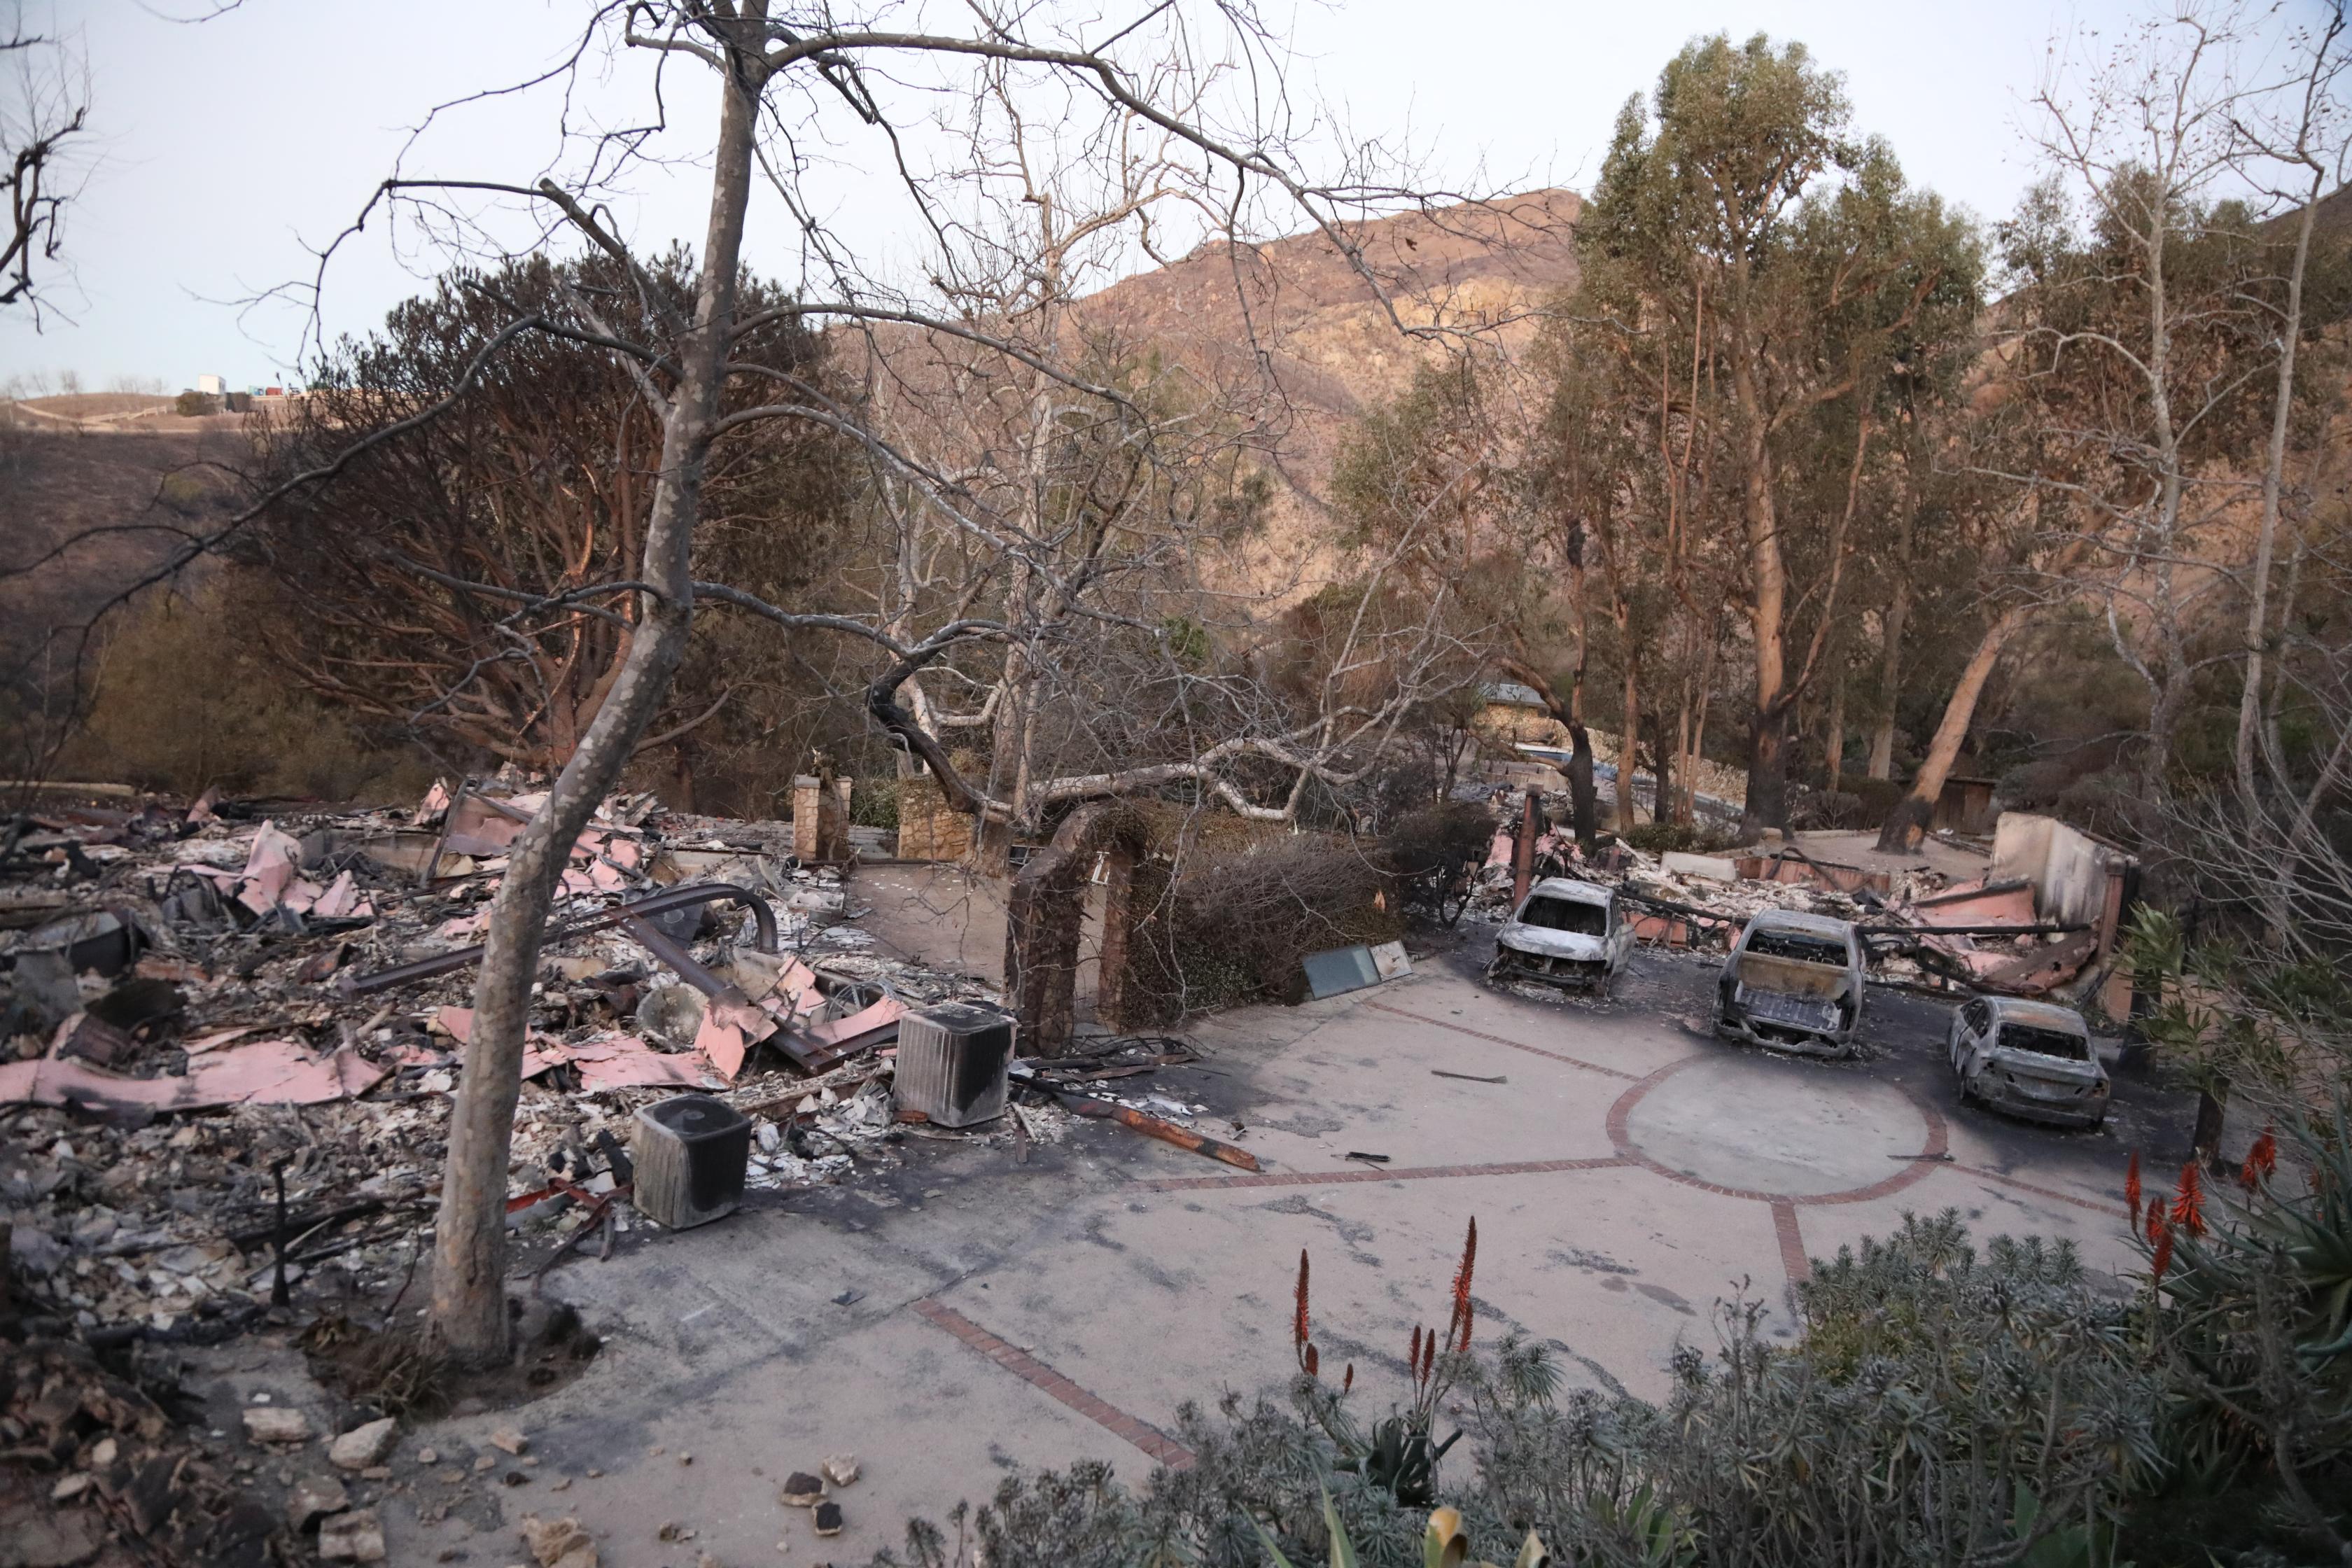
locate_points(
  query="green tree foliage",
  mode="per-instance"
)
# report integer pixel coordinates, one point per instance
(1759, 284)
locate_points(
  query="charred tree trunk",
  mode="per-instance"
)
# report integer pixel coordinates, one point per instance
(1767, 769)
(1907, 825)
(1833, 729)
(1767, 582)
(469, 1307)
(1890, 677)
(2212, 1119)
(1630, 743)
(1662, 786)
(1583, 800)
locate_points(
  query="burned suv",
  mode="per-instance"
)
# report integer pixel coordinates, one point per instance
(1792, 983)
(1566, 933)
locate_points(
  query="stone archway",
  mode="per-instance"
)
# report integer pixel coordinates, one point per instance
(1045, 912)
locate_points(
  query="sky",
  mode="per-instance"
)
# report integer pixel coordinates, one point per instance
(227, 152)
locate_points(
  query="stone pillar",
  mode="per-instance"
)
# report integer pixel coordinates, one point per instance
(1041, 960)
(1523, 854)
(1044, 913)
(820, 818)
(806, 791)
(1118, 924)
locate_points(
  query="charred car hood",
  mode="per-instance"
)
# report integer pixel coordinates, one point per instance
(1546, 943)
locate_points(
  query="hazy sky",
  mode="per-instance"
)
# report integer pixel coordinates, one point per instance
(227, 147)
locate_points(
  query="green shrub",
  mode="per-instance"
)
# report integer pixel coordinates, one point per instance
(874, 803)
(1702, 837)
(193, 405)
(1942, 1405)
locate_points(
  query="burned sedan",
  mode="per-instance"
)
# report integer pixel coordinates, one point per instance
(1566, 933)
(1792, 983)
(2030, 1059)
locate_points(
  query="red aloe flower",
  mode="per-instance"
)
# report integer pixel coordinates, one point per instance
(1428, 1357)
(1412, 1356)
(1458, 1338)
(2189, 1203)
(2163, 1257)
(2155, 1224)
(2260, 1160)
(2131, 1188)
(1299, 1324)
(1311, 1360)
(1347, 1378)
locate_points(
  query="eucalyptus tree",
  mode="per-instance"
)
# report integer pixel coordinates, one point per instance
(1738, 213)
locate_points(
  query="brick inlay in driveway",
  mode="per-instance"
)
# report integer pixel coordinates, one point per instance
(1500, 1040)
(1792, 1241)
(1913, 1168)
(2051, 1193)
(1044, 1379)
(1363, 1173)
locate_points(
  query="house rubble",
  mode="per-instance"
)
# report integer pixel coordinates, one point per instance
(2045, 919)
(195, 1000)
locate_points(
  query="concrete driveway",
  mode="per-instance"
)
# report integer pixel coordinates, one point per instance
(970, 1314)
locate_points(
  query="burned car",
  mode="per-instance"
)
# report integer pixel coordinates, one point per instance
(2030, 1059)
(1792, 983)
(1566, 933)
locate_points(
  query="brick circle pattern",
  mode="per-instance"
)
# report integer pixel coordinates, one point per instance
(1938, 1143)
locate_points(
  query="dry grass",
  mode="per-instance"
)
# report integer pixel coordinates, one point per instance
(184, 701)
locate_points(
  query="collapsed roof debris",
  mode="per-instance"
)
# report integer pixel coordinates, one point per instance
(195, 1000)
(2018, 929)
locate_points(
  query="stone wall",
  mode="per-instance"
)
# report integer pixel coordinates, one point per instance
(929, 827)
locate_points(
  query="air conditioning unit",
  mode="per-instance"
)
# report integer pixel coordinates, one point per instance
(690, 1154)
(951, 1061)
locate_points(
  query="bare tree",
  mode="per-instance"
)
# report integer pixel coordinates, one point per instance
(2293, 148)
(2147, 334)
(43, 123)
(1178, 78)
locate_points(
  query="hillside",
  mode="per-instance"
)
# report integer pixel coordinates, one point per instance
(1331, 348)
(145, 487)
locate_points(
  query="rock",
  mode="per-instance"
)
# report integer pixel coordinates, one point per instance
(841, 1468)
(276, 1424)
(427, 1457)
(558, 1543)
(802, 1491)
(153, 1493)
(69, 1489)
(48, 1536)
(828, 1519)
(353, 1537)
(509, 1439)
(363, 1446)
(103, 1452)
(313, 1496)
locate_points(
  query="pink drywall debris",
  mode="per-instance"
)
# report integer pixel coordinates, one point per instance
(268, 1072)
(269, 867)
